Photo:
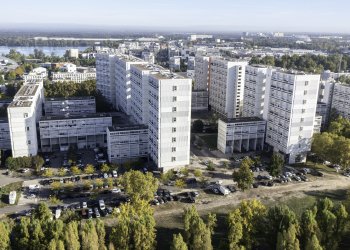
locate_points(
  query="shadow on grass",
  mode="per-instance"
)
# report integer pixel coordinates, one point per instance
(335, 195)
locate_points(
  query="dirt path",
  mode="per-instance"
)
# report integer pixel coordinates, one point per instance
(329, 182)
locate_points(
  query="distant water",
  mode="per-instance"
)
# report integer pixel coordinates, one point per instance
(58, 51)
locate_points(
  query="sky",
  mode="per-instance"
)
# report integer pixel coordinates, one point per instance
(331, 16)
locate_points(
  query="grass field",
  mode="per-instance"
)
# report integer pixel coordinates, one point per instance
(5, 190)
(167, 226)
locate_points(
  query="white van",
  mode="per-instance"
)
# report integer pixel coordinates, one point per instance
(102, 204)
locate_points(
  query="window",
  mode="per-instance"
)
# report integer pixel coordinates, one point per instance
(174, 99)
(25, 115)
(301, 119)
(173, 139)
(174, 88)
(173, 130)
(27, 128)
(305, 92)
(174, 109)
(301, 129)
(304, 101)
(173, 149)
(174, 119)
(303, 111)
(173, 159)
(29, 142)
(306, 83)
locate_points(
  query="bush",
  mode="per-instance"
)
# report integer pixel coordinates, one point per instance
(105, 168)
(75, 170)
(180, 183)
(47, 173)
(197, 173)
(89, 169)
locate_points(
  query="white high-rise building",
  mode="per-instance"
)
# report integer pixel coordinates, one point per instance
(105, 76)
(23, 115)
(255, 97)
(291, 116)
(122, 81)
(226, 89)
(169, 119)
(202, 73)
(139, 74)
(341, 99)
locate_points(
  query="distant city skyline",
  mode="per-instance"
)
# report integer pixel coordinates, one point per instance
(180, 15)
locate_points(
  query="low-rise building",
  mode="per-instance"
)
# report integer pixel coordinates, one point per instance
(126, 142)
(241, 134)
(70, 105)
(58, 133)
(76, 77)
(37, 74)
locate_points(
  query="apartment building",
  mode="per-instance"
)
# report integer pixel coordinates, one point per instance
(325, 96)
(169, 119)
(255, 97)
(76, 77)
(226, 89)
(139, 79)
(127, 142)
(105, 76)
(241, 134)
(58, 133)
(291, 113)
(202, 73)
(122, 81)
(24, 113)
(341, 99)
(5, 139)
(175, 63)
(200, 100)
(70, 105)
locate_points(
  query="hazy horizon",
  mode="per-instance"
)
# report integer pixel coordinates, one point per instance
(312, 16)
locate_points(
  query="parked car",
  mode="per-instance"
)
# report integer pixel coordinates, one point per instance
(114, 174)
(97, 213)
(116, 190)
(102, 204)
(84, 205)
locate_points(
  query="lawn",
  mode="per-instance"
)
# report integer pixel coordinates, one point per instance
(167, 226)
(5, 190)
(316, 166)
(210, 140)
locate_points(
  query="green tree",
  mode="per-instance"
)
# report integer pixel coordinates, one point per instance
(105, 168)
(75, 170)
(276, 164)
(101, 232)
(56, 245)
(309, 226)
(197, 126)
(5, 235)
(313, 244)
(180, 183)
(198, 234)
(21, 234)
(235, 233)
(244, 176)
(89, 169)
(71, 236)
(287, 239)
(198, 173)
(139, 186)
(47, 173)
(135, 228)
(61, 172)
(277, 220)
(37, 162)
(42, 212)
(178, 243)
(89, 236)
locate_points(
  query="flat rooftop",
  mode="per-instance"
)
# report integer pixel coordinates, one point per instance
(168, 75)
(71, 117)
(48, 99)
(21, 102)
(124, 127)
(150, 67)
(242, 119)
(27, 90)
